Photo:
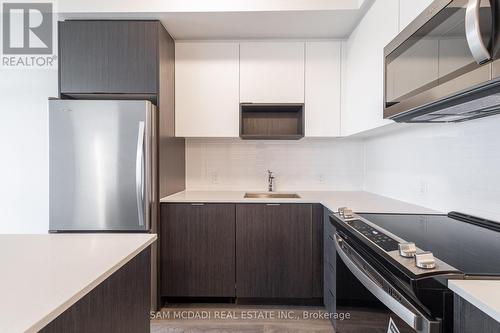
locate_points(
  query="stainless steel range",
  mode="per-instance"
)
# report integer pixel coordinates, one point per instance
(392, 269)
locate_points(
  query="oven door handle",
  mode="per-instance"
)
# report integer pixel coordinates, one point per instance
(375, 283)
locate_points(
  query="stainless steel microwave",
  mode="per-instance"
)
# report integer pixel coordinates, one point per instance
(445, 66)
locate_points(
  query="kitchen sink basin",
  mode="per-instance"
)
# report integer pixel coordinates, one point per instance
(269, 195)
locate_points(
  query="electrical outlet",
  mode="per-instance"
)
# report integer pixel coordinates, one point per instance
(424, 187)
(321, 179)
(214, 177)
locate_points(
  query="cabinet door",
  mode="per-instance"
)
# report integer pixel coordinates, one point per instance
(317, 250)
(322, 84)
(207, 89)
(197, 250)
(272, 72)
(108, 57)
(470, 319)
(329, 263)
(274, 250)
(363, 69)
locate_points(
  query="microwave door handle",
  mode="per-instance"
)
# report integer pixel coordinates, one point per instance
(402, 308)
(139, 174)
(473, 32)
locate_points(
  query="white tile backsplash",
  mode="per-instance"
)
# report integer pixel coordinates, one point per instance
(307, 164)
(442, 166)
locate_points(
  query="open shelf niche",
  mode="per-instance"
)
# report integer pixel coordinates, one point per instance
(271, 121)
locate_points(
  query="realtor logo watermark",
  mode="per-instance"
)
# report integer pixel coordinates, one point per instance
(27, 37)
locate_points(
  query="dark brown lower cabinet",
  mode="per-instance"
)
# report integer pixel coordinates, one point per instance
(318, 213)
(469, 319)
(120, 304)
(197, 250)
(274, 251)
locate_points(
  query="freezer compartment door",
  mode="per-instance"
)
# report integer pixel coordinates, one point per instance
(101, 171)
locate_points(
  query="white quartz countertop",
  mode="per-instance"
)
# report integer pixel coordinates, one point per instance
(483, 294)
(358, 201)
(43, 275)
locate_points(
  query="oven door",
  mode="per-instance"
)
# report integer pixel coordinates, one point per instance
(389, 311)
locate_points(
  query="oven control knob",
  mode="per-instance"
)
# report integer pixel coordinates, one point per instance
(346, 213)
(342, 210)
(425, 260)
(407, 250)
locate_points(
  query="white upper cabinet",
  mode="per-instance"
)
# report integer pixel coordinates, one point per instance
(207, 89)
(272, 72)
(363, 68)
(409, 10)
(322, 89)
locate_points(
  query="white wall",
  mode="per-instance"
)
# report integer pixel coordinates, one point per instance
(445, 167)
(363, 70)
(307, 164)
(24, 149)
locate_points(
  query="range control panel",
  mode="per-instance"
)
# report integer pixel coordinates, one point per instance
(410, 258)
(382, 240)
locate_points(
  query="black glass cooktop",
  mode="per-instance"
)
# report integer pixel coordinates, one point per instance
(472, 249)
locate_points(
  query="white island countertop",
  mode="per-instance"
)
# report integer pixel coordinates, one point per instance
(483, 294)
(43, 275)
(358, 201)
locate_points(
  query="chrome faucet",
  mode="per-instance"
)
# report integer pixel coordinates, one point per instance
(270, 181)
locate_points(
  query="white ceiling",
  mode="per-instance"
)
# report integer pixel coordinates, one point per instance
(231, 19)
(179, 6)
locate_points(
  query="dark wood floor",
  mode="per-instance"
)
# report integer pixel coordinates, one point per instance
(224, 318)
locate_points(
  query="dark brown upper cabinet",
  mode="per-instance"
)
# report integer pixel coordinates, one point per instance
(109, 57)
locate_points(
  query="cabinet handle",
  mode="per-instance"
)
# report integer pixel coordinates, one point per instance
(197, 204)
(273, 204)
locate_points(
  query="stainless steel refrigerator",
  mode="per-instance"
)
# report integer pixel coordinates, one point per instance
(102, 165)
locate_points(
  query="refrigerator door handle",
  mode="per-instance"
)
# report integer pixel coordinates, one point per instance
(139, 173)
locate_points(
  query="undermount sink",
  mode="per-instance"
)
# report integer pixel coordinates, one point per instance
(270, 195)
